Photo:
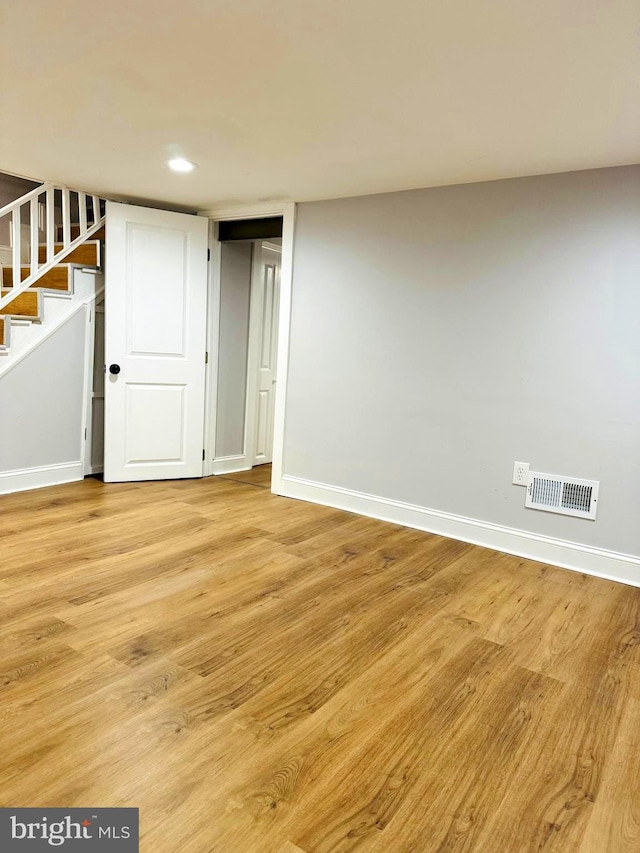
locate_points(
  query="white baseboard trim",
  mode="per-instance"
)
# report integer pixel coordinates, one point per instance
(230, 464)
(36, 478)
(611, 565)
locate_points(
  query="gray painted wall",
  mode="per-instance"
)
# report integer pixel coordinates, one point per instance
(41, 402)
(439, 335)
(235, 292)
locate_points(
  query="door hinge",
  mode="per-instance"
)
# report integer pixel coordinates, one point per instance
(206, 358)
(208, 254)
(85, 433)
(203, 454)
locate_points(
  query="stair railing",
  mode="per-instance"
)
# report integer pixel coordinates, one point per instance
(45, 210)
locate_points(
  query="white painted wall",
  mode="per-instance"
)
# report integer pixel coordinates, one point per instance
(41, 411)
(439, 335)
(235, 292)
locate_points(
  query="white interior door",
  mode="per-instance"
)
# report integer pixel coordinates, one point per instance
(155, 334)
(263, 350)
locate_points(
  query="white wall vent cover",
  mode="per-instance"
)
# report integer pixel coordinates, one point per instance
(566, 495)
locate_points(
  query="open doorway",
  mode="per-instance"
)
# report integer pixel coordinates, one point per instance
(262, 358)
(248, 260)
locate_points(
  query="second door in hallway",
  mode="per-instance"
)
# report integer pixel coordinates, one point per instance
(262, 356)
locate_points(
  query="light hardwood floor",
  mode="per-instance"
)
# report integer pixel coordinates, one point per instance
(261, 675)
(258, 476)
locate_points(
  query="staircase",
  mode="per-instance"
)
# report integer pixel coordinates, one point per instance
(47, 247)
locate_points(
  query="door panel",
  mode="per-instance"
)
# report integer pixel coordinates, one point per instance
(155, 318)
(147, 406)
(157, 275)
(262, 431)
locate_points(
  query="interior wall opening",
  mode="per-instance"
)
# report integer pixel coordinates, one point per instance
(249, 254)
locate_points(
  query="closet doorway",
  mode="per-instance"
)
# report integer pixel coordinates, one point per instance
(248, 259)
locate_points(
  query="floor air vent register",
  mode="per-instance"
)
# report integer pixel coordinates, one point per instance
(564, 495)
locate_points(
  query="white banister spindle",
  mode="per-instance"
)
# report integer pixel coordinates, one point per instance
(35, 235)
(17, 247)
(66, 217)
(55, 253)
(51, 223)
(82, 212)
(50, 203)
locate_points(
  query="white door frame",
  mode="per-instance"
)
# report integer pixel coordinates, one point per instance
(95, 306)
(87, 394)
(288, 212)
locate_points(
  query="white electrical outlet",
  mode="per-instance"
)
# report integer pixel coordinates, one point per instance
(520, 473)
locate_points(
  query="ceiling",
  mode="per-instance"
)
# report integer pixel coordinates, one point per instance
(310, 99)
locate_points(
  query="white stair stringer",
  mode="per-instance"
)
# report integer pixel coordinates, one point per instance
(23, 336)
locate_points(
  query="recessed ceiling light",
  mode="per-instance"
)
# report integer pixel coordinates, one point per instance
(179, 164)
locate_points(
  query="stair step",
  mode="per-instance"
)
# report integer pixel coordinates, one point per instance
(88, 254)
(24, 305)
(57, 278)
(75, 232)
